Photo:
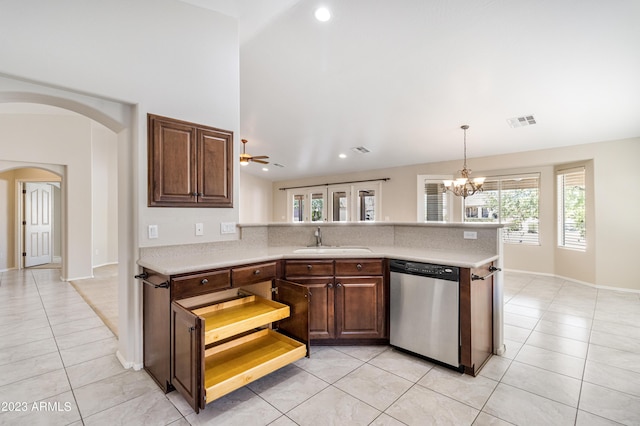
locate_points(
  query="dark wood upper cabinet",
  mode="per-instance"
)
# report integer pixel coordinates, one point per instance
(190, 165)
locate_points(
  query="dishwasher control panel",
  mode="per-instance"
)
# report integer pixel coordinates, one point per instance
(449, 273)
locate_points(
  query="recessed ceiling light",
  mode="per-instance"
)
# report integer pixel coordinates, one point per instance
(322, 14)
(264, 169)
(342, 155)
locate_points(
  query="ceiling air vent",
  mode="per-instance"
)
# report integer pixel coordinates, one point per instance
(360, 149)
(526, 120)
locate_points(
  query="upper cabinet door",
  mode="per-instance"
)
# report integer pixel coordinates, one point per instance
(190, 165)
(215, 168)
(172, 171)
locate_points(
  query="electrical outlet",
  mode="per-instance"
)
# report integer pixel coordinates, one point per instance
(153, 231)
(199, 229)
(470, 235)
(227, 227)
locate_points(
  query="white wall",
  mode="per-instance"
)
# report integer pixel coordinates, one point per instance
(7, 220)
(613, 231)
(255, 199)
(104, 190)
(60, 140)
(115, 62)
(166, 57)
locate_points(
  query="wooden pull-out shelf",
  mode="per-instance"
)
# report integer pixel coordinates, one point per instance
(227, 319)
(234, 364)
(217, 349)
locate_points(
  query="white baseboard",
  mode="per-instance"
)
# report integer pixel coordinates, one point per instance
(105, 264)
(573, 280)
(127, 364)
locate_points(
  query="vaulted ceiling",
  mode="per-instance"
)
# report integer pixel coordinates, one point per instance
(400, 78)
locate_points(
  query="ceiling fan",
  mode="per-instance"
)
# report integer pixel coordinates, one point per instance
(245, 158)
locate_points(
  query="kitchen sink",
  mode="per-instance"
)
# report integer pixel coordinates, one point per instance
(330, 250)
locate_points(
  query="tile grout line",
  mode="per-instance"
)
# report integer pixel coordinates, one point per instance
(64, 367)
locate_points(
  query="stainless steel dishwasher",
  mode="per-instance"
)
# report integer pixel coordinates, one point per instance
(424, 314)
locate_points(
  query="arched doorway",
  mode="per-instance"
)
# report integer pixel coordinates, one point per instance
(118, 118)
(33, 227)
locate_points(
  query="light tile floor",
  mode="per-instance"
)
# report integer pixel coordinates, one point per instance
(573, 357)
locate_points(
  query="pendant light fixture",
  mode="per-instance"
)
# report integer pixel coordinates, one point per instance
(464, 186)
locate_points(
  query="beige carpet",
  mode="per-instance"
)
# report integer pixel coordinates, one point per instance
(101, 293)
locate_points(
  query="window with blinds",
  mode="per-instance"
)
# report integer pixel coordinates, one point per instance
(512, 201)
(571, 208)
(435, 202)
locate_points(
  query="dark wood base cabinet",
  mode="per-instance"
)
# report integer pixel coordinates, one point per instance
(208, 333)
(206, 346)
(476, 317)
(349, 299)
(218, 348)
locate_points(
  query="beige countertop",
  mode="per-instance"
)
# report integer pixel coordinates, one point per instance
(172, 265)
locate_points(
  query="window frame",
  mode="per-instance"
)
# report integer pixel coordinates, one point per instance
(561, 215)
(506, 237)
(352, 212)
(421, 210)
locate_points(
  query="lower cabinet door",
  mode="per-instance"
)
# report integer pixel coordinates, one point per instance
(321, 307)
(360, 310)
(187, 357)
(298, 298)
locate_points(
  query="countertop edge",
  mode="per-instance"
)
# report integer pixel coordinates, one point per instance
(204, 262)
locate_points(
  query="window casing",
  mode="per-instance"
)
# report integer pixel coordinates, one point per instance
(571, 191)
(512, 201)
(358, 202)
(434, 205)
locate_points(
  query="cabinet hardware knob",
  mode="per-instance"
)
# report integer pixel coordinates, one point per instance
(359, 267)
(191, 329)
(339, 285)
(200, 194)
(194, 194)
(204, 281)
(329, 285)
(256, 272)
(309, 267)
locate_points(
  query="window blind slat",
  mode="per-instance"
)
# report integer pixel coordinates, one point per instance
(511, 200)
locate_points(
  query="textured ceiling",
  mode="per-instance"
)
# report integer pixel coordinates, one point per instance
(400, 77)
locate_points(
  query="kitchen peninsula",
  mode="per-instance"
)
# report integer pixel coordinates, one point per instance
(282, 262)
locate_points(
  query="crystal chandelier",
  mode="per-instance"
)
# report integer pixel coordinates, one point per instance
(464, 186)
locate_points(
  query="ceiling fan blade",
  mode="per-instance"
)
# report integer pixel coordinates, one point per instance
(260, 156)
(259, 161)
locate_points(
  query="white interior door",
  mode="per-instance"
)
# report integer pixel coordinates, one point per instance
(37, 223)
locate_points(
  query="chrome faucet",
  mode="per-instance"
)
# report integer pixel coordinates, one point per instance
(318, 236)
